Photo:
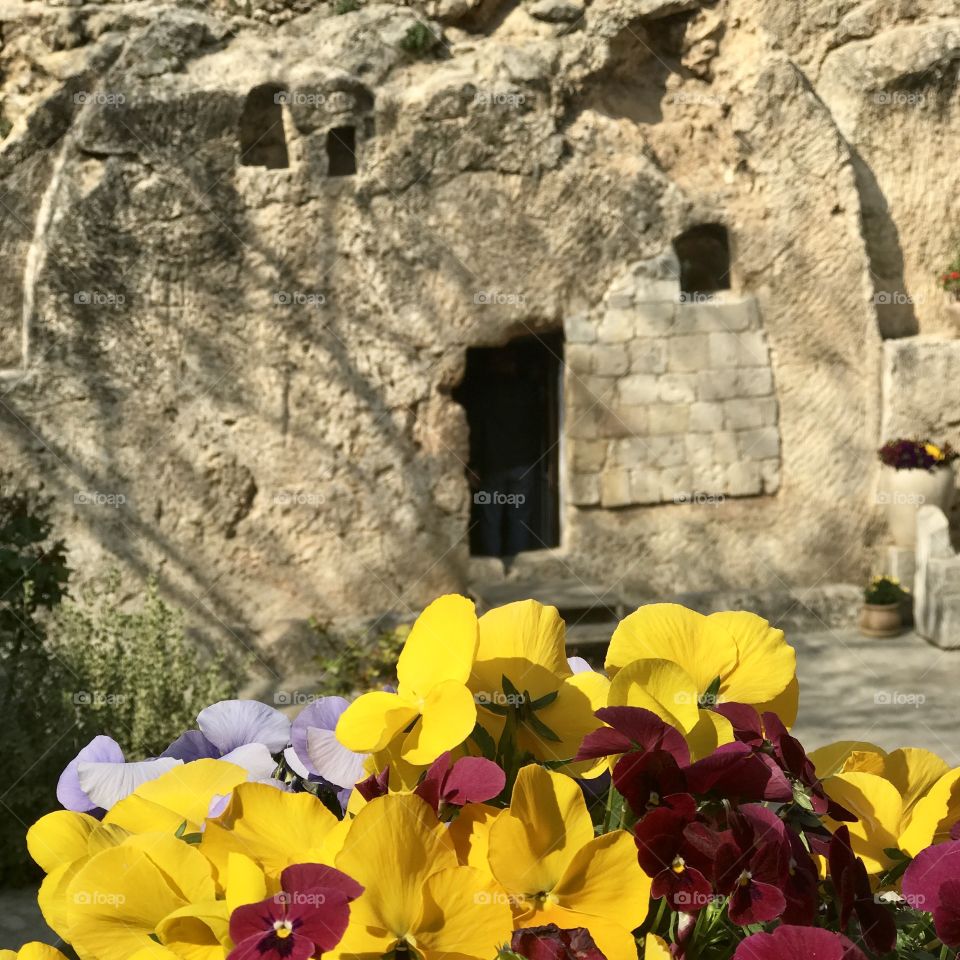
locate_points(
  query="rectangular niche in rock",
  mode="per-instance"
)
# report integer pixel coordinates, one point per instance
(263, 142)
(342, 151)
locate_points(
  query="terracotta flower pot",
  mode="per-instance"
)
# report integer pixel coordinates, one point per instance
(903, 492)
(881, 619)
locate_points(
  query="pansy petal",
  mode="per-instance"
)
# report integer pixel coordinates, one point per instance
(35, 951)
(183, 793)
(934, 814)
(69, 792)
(322, 714)
(192, 745)
(448, 716)
(60, 837)
(532, 842)
(913, 772)
(878, 808)
(711, 731)
(668, 631)
(440, 646)
(661, 686)
(372, 721)
(255, 758)
(275, 829)
(330, 759)
(604, 879)
(527, 634)
(108, 783)
(462, 916)
(229, 724)
(833, 757)
(766, 664)
(393, 845)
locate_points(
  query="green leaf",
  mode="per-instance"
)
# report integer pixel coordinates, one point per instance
(510, 690)
(541, 729)
(544, 701)
(181, 830)
(484, 741)
(712, 694)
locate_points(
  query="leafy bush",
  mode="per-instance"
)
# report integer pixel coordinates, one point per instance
(916, 454)
(70, 670)
(136, 676)
(36, 736)
(356, 661)
(345, 6)
(419, 40)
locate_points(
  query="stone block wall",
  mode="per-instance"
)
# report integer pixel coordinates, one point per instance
(669, 398)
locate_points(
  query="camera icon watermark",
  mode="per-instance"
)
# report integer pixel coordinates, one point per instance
(299, 298)
(897, 698)
(499, 298)
(99, 298)
(496, 497)
(95, 498)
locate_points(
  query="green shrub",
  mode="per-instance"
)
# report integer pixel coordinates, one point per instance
(419, 40)
(36, 736)
(345, 6)
(356, 661)
(72, 669)
(883, 590)
(136, 676)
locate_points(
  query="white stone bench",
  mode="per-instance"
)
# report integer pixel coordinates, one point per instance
(936, 584)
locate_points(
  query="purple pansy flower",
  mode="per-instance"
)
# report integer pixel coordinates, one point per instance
(315, 750)
(98, 776)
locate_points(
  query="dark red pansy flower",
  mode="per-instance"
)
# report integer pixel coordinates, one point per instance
(665, 855)
(932, 883)
(308, 917)
(855, 896)
(798, 943)
(736, 771)
(551, 943)
(645, 778)
(801, 888)
(751, 867)
(745, 721)
(793, 759)
(633, 729)
(469, 780)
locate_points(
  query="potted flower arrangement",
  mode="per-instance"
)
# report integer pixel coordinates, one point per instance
(882, 612)
(502, 802)
(914, 472)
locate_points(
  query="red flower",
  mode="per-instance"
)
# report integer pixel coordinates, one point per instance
(932, 883)
(307, 918)
(552, 943)
(666, 855)
(798, 943)
(751, 867)
(855, 895)
(955, 275)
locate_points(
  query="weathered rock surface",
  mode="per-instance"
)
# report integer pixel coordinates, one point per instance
(260, 359)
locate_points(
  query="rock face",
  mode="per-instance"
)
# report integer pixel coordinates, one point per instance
(246, 250)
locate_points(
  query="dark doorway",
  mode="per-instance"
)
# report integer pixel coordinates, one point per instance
(341, 151)
(512, 395)
(263, 142)
(704, 255)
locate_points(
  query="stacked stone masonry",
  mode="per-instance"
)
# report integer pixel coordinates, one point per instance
(670, 398)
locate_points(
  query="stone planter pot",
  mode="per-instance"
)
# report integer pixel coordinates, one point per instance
(881, 619)
(903, 492)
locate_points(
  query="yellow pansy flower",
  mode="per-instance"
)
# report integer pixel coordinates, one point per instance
(61, 843)
(33, 951)
(543, 852)
(275, 829)
(524, 642)
(118, 899)
(416, 894)
(674, 658)
(433, 709)
(906, 799)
